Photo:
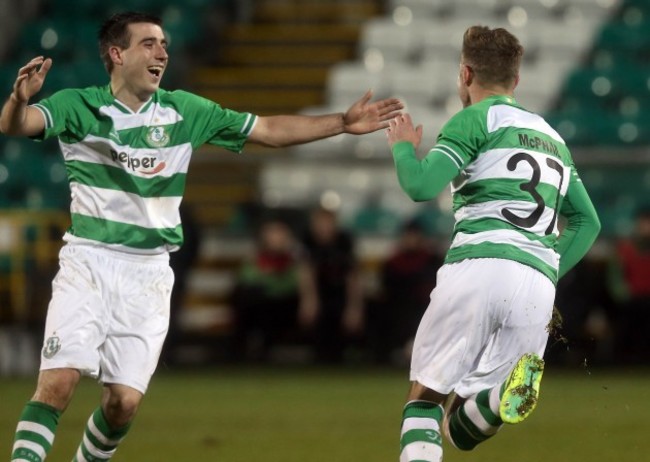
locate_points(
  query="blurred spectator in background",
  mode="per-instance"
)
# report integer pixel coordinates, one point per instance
(265, 298)
(585, 333)
(182, 261)
(332, 303)
(407, 278)
(375, 218)
(630, 287)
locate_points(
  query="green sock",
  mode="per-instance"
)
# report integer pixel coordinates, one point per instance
(420, 435)
(35, 432)
(476, 420)
(100, 441)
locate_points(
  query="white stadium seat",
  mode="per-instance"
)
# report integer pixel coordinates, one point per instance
(419, 83)
(348, 81)
(395, 42)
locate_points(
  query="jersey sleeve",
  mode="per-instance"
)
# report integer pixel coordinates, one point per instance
(459, 142)
(582, 226)
(60, 115)
(212, 124)
(462, 137)
(422, 180)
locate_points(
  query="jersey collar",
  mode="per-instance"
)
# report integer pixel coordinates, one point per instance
(124, 108)
(503, 99)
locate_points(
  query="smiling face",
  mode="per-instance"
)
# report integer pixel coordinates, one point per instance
(139, 68)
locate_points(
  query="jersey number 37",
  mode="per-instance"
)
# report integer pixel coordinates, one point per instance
(531, 187)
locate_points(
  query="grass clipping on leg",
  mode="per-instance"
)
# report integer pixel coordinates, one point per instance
(555, 325)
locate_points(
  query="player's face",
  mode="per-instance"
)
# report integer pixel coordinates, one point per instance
(144, 62)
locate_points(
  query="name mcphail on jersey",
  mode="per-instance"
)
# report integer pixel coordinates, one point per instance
(536, 142)
(148, 165)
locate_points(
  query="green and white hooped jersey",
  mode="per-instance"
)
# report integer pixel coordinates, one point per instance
(515, 171)
(127, 169)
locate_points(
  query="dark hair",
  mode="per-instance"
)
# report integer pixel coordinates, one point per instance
(115, 31)
(493, 54)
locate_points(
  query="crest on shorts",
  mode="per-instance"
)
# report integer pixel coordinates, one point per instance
(52, 346)
(157, 137)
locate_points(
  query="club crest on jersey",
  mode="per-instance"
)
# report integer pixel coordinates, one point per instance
(51, 347)
(157, 137)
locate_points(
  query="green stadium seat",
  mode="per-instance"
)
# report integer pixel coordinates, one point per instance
(630, 41)
(60, 77)
(86, 47)
(606, 101)
(30, 175)
(91, 72)
(617, 192)
(596, 86)
(53, 38)
(144, 6)
(82, 8)
(586, 127)
(24, 160)
(375, 220)
(181, 26)
(8, 75)
(435, 221)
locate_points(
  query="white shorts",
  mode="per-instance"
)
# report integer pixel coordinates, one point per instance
(483, 316)
(109, 314)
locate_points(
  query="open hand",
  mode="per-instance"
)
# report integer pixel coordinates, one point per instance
(366, 117)
(401, 129)
(30, 78)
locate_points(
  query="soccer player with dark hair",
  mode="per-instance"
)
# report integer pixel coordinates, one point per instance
(127, 146)
(477, 357)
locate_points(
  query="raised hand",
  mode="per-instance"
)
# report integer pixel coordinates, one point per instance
(30, 78)
(401, 129)
(366, 117)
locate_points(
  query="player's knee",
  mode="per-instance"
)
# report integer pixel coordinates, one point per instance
(421, 393)
(120, 407)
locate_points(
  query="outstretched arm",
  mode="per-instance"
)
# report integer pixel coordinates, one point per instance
(362, 117)
(16, 117)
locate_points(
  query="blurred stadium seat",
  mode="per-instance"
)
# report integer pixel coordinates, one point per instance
(421, 83)
(346, 81)
(54, 38)
(605, 100)
(7, 78)
(395, 42)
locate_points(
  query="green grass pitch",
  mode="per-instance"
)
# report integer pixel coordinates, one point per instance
(292, 414)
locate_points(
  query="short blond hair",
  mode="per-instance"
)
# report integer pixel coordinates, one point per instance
(493, 54)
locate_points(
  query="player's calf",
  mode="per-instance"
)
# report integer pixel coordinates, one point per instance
(100, 441)
(35, 432)
(420, 436)
(476, 420)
